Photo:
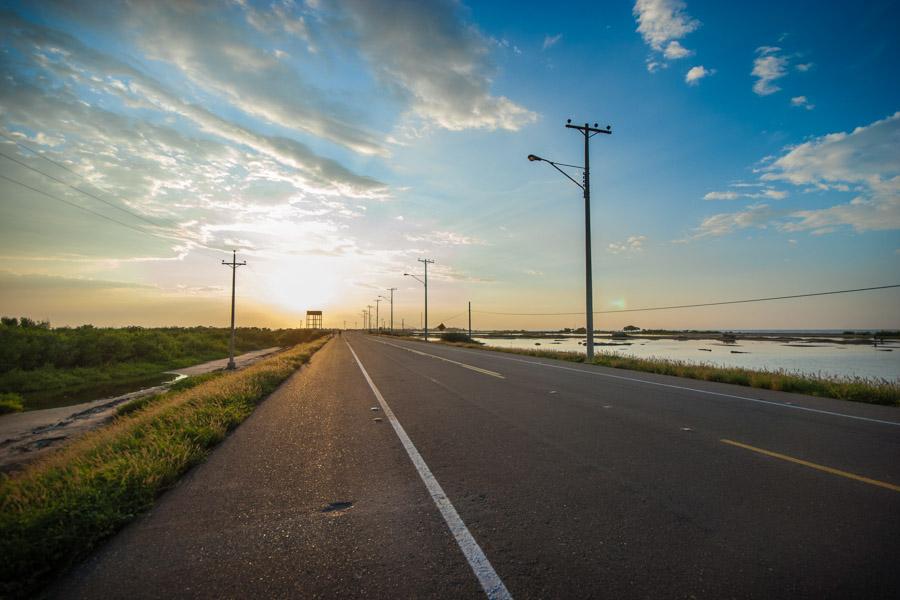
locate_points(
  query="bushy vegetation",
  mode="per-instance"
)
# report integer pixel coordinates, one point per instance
(38, 361)
(10, 403)
(457, 336)
(57, 509)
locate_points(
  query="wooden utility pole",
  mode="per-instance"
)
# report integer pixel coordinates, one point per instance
(234, 264)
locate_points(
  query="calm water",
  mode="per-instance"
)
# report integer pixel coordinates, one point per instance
(814, 358)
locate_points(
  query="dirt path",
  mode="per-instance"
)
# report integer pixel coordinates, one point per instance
(28, 435)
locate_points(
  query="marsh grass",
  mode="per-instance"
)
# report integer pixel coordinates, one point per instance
(856, 389)
(56, 510)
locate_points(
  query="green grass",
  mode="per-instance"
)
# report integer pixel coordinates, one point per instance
(856, 389)
(56, 510)
(10, 403)
(59, 366)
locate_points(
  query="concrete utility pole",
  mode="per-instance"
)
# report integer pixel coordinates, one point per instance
(234, 264)
(392, 290)
(426, 262)
(377, 320)
(470, 319)
(588, 132)
(369, 308)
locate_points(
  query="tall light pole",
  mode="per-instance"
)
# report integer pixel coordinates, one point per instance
(234, 264)
(369, 316)
(377, 301)
(588, 132)
(426, 262)
(392, 290)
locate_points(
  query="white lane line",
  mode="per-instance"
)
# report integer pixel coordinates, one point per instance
(788, 405)
(463, 365)
(490, 582)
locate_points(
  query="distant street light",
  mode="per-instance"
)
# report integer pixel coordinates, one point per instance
(426, 262)
(377, 302)
(391, 300)
(588, 132)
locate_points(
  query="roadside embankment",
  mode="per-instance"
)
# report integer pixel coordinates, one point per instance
(58, 508)
(857, 389)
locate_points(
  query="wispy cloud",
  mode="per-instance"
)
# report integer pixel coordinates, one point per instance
(427, 55)
(802, 102)
(550, 41)
(633, 245)
(768, 66)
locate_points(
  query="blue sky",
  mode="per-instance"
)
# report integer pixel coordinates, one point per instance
(755, 152)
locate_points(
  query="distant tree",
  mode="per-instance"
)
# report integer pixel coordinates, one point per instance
(9, 321)
(581, 330)
(631, 328)
(441, 327)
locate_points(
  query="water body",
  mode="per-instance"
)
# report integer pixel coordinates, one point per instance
(813, 357)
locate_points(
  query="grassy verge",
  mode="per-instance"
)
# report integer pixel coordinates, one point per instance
(59, 508)
(856, 389)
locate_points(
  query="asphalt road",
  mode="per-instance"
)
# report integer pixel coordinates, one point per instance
(527, 477)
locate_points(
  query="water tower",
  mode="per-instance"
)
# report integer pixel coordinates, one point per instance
(314, 319)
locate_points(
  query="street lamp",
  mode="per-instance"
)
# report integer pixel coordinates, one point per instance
(426, 262)
(391, 300)
(588, 132)
(377, 302)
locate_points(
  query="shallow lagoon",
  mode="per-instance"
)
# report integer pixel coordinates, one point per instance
(812, 357)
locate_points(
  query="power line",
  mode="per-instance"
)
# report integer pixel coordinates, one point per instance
(78, 206)
(79, 190)
(95, 213)
(627, 310)
(199, 247)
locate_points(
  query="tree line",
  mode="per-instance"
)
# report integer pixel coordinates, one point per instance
(27, 345)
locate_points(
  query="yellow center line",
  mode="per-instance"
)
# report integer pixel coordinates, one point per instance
(805, 463)
(463, 365)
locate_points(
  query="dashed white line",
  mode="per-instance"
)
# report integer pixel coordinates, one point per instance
(455, 362)
(490, 582)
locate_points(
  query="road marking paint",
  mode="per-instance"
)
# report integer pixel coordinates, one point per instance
(805, 463)
(786, 404)
(490, 582)
(464, 365)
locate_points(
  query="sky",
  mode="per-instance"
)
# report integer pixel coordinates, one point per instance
(755, 152)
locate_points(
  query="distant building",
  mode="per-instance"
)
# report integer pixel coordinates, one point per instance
(314, 319)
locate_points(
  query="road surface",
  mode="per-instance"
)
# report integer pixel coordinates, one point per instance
(398, 469)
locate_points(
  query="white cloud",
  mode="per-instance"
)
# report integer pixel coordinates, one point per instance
(632, 245)
(731, 195)
(660, 21)
(550, 41)
(722, 196)
(768, 66)
(445, 238)
(675, 50)
(804, 67)
(864, 162)
(695, 74)
(802, 102)
(756, 215)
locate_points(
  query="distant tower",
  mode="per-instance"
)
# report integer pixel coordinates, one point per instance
(314, 319)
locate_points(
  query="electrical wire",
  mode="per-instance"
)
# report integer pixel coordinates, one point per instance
(627, 310)
(79, 190)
